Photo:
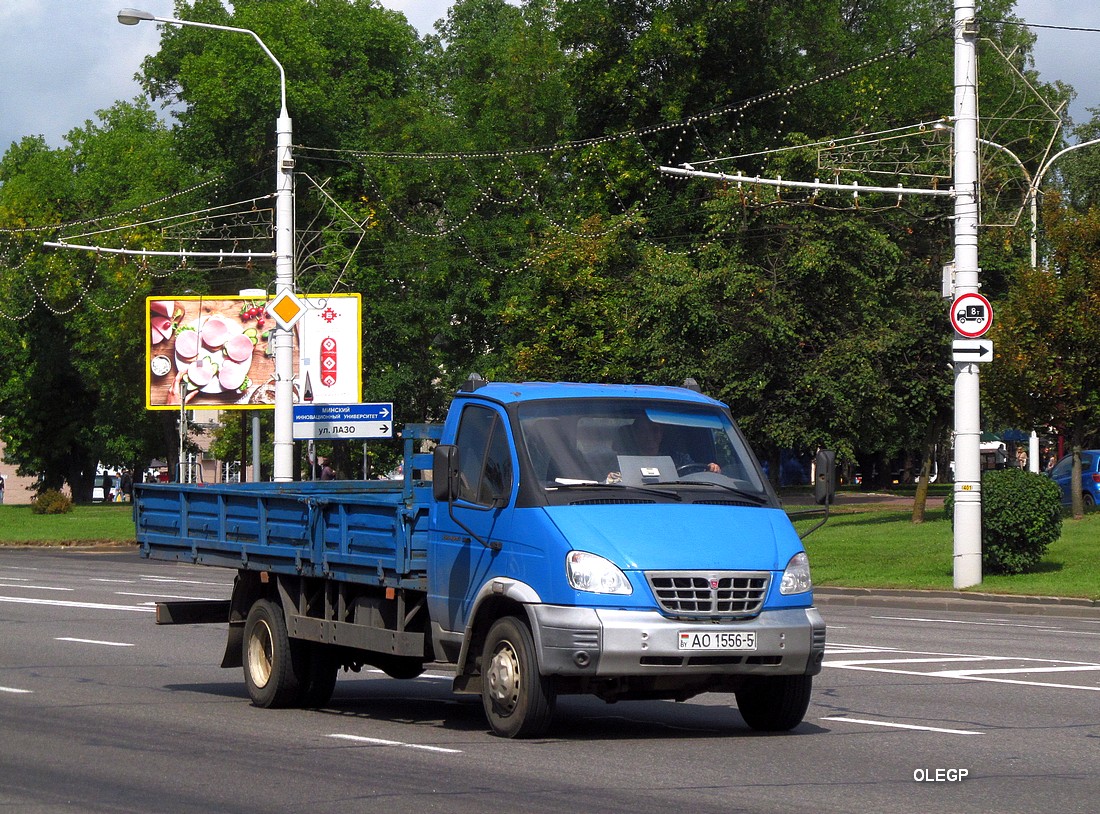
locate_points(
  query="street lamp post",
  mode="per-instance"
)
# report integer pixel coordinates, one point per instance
(283, 339)
(1033, 182)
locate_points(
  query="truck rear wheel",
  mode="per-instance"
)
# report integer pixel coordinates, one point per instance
(518, 701)
(272, 669)
(774, 703)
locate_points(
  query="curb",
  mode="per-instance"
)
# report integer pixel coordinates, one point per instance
(957, 601)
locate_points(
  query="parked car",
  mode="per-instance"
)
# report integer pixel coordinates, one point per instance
(1090, 477)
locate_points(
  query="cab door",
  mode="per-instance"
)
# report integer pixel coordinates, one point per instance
(471, 536)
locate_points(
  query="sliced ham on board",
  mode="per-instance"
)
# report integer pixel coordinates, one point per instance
(232, 375)
(187, 344)
(239, 348)
(201, 373)
(214, 332)
(160, 328)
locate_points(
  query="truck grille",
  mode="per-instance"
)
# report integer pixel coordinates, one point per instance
(722, 593)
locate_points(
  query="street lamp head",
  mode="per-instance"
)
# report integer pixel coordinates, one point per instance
(133, 16)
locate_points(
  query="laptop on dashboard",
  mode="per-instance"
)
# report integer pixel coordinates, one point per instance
(638, 470)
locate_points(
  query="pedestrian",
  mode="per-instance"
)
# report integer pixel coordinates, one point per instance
(2, 479)
(127, 485)
(326, 470)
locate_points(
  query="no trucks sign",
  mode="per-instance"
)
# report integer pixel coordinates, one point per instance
(971, 315)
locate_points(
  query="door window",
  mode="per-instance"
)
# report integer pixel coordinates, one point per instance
(484, 455)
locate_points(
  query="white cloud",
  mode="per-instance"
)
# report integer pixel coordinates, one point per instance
(63, 60)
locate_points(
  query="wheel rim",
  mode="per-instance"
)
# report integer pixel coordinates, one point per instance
(260, 654)
(504, 678)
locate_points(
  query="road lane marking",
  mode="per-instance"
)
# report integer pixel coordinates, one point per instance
(381, 742)
(92, 641)
(166, 596)
(1022, 666)
(936, 660)
(832, 648)
(434, 676)
(1070, 668)
(61, 603)
(893, 725)
(988, 623)
(15, 690)
(187, 581)
(39, 588)
(119, 581)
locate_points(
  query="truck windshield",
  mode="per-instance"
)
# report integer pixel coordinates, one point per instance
(575, 442)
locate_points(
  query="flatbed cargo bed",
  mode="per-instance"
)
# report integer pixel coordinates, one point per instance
(355, 531)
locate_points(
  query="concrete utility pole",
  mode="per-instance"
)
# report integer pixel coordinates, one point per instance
(282, 338)
(968, 468)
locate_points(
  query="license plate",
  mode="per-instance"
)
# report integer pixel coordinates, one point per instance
(717, 640)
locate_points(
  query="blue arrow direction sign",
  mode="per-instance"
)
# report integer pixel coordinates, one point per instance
(972, 350)
(341, 421)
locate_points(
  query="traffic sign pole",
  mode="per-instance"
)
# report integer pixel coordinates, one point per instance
(968, 474)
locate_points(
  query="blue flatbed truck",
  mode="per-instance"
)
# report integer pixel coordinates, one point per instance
(614, 540)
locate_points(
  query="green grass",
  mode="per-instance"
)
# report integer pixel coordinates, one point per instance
(884, 549)
(84, 525)
(861, 547)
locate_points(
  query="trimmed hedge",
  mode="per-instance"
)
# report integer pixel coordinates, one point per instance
(1021, 517)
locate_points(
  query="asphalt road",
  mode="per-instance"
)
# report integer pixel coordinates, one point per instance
(916, 710)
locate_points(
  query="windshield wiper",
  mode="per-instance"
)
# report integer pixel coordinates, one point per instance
(753, 496)
(591, 484)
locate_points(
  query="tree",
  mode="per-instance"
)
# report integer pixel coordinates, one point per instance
(493, 193)
(1047, 372)
(73, 337)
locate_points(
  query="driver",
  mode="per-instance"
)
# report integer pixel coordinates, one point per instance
(648, 436)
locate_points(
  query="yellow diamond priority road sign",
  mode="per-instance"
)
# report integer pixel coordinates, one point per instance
(286, 309)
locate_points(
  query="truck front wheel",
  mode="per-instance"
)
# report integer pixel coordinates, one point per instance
(518, 701)
(774, 703)
(271, 672)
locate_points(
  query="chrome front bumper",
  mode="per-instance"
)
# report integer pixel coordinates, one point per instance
(597, 642)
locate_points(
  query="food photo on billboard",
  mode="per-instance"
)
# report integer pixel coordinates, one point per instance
(216, 353)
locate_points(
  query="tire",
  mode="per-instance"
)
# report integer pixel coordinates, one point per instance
(518, 702)
(774, 703)
(272, 670)
(319, 676)
(1087, 499)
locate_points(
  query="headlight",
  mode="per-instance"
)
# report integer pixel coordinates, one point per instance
(588, 572)
(796, 576)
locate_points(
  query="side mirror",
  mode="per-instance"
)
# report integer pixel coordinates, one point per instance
(445, 471)
(825, 476)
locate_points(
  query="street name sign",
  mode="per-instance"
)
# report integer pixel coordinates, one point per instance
(331, 422)
(972, 350)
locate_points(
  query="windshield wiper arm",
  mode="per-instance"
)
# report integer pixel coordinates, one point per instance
(591, 484)
(753, 496)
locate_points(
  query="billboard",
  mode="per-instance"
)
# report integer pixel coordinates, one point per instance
(215, 353)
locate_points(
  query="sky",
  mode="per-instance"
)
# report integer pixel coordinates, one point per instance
(63, 60)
